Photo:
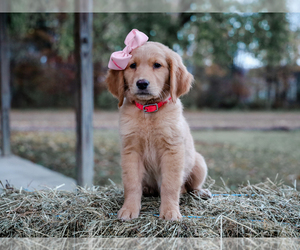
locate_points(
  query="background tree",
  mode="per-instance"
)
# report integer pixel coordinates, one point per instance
(208, 42)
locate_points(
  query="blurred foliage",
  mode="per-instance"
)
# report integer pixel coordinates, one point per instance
(216, 34)
(43, 53)
(236, 156)
(264, 34)
(106, 101)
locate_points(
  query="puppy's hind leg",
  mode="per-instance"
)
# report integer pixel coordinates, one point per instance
(197, 178)
(149, 191)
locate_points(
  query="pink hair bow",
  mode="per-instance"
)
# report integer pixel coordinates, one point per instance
(119, 59)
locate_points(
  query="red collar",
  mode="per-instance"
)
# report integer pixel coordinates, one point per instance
(150, 108)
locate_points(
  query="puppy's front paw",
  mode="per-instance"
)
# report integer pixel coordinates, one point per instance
(128, 212)
(204, 194)
(170, 213)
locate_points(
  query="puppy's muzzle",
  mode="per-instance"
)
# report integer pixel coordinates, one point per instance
(142, 84)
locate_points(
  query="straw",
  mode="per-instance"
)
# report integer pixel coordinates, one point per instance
(268, 209)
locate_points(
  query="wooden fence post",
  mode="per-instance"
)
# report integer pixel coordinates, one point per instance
(4, 82)
(84, 93)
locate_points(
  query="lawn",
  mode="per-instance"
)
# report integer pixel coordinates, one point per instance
(234, 157)
(242, 156)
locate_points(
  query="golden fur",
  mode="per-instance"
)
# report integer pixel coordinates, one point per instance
(158, 154)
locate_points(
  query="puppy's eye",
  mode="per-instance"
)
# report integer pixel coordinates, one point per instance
(133, 65)
(156, 65)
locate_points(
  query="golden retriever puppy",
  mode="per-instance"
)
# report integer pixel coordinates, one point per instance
(158, 154)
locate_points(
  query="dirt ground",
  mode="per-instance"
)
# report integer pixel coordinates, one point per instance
(65, 119)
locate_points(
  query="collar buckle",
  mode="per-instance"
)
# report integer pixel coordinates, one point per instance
(149, 108)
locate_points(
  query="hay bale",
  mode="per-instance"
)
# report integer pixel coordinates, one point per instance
(263, 210)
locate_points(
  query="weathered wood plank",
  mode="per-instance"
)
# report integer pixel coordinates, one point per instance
(5, 87)
(84, 97)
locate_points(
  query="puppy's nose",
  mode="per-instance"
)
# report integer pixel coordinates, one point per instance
(142, 84)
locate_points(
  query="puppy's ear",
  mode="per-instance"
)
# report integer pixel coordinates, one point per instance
(115, 84)
(180, 79)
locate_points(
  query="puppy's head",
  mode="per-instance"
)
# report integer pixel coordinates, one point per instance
(153, 73)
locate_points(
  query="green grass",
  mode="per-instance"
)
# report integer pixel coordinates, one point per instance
(242, 156)
(236, 156)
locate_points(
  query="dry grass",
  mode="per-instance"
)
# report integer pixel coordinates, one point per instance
(268, 209)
